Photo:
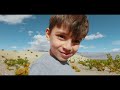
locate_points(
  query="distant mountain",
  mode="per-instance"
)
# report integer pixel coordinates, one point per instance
(98, 55)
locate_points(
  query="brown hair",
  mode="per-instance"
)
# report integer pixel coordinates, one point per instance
(76, 24)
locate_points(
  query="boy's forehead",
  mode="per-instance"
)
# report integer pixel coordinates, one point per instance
(66, 31)
(62, 30)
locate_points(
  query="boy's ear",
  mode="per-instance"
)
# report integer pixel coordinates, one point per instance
(48, 34)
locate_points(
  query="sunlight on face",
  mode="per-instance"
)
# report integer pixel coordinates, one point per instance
(62, 45)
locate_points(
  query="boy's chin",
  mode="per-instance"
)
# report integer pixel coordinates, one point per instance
(62, 59)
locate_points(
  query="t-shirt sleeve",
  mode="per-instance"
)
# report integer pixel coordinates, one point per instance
(37, 69)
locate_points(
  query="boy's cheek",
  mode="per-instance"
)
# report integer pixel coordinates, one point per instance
(76, 48)
(53, 46)
(55, 43)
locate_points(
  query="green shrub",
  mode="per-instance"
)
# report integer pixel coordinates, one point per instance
(112, 65)
(22, 65)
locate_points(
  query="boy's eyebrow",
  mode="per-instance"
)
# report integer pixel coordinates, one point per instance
(67, 33)
(61, 32)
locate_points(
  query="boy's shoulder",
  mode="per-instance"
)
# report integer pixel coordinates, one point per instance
(44, 57)
(46, 64)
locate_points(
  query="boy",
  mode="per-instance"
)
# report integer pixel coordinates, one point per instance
(65, 33)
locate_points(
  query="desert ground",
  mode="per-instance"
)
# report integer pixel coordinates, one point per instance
(5, 54)
(33, 55)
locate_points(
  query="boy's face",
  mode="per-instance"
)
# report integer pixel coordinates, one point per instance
(62, 45)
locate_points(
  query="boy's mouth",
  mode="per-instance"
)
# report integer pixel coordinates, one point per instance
(66, 55)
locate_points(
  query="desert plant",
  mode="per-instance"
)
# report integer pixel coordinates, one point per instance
(25, 57)
(117, 57)
(22, 65)
(8, 67)
(2, 49)
(109, 56)
(22, 71)
(82, 62)
(112, 65)
(15, 50)
(99, 66)
(3, 56)
(75, 68)
(10, 62)
(90, 64)
(72, 61)
(22, 61)
(36, 55)
(18, 56)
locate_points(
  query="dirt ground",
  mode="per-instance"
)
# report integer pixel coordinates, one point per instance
(32, 56)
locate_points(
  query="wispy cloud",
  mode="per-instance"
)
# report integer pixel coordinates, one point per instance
(117, 42)
(38, 32)
(20, 30)
(85, 47)
(116, 49)
(104, 48)
(94, 36)
(14, 47)
(30, 33)
(39, 43)
(91, 46)
(13, 19)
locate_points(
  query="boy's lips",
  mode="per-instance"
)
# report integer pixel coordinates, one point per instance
(66, 55)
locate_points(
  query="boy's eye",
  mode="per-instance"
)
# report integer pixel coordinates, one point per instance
(61, 36)
(76, 41)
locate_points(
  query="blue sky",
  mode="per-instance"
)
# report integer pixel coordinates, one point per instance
(21, 32)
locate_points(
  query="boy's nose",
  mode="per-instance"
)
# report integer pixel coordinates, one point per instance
(67, 46)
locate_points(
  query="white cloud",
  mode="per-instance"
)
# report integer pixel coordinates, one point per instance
(91, 46)
(14, 47)
(38, 32)
(94, 36)
(116, 49)
(104, 48)
(13, 19)
(22, 29)
(39, 43)
(30, 33)
(84, 47)
(117, 42)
